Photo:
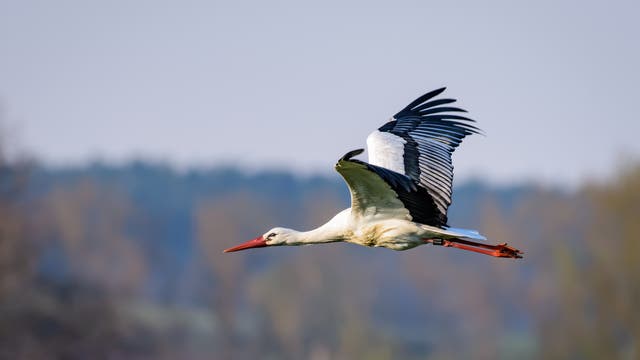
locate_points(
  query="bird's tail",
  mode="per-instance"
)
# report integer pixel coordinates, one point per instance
(450, 232)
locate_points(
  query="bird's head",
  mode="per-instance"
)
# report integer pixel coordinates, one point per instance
(274, 237)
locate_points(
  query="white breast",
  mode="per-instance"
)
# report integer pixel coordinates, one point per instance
(395, 234)
(386, 150)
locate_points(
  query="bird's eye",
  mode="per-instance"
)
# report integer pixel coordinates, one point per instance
(271, 235)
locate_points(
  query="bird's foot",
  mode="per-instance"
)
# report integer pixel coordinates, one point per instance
(502, 250)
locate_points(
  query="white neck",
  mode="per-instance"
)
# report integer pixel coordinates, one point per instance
(334, 230)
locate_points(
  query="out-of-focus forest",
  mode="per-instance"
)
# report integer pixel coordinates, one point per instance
(126, 261)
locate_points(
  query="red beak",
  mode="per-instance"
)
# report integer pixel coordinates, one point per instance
(255, 243)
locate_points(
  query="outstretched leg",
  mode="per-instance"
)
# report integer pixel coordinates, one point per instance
(500, 250)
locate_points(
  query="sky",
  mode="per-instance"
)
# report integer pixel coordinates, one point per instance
(296, 84)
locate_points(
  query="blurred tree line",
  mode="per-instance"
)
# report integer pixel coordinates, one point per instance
(126, 262)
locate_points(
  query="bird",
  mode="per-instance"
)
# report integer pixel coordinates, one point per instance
(400, 197)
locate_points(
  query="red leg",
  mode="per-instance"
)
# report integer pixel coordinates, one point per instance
(500, 250)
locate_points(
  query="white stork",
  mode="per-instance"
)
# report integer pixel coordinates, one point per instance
(399, 200)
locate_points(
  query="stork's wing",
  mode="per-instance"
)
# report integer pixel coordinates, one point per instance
(376, 190)
(418, 142)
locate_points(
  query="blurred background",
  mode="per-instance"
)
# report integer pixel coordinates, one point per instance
(140, 139)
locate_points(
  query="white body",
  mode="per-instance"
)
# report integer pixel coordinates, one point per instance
(378, 230)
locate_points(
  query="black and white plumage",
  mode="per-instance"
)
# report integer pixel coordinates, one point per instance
(400, 198)
(418, 142)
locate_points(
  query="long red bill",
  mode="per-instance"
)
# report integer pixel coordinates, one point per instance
(255, 243)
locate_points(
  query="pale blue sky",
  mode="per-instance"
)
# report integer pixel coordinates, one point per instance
(297, 84)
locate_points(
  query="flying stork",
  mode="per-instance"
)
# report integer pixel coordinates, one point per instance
(399, 199)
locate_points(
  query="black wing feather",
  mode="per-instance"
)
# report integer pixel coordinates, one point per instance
(422, 99)
(431, 134)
